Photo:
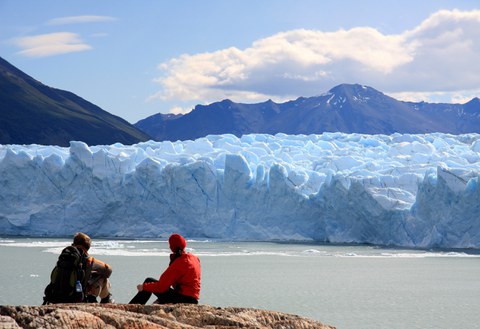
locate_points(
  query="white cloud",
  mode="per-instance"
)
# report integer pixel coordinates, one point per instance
(80, 20)
(460, 97)
(440, 55)
(58, 43)
(180, 110)
(446, 51)
(44, 45)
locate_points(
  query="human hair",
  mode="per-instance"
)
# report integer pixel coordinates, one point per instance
(81, 239)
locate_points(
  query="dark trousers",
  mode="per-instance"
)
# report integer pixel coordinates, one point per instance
(170, 296)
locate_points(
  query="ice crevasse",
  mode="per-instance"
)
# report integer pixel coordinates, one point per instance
(402, 190)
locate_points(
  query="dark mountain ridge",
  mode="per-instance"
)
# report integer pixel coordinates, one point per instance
(348, 108)
(33, 113)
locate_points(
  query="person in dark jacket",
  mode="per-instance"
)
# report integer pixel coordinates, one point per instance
(180, 283)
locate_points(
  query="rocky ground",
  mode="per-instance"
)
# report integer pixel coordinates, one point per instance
(126, 316)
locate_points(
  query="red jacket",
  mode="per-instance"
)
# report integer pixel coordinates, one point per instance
(183, 275)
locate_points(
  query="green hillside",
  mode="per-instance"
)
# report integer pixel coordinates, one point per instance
(33, 113)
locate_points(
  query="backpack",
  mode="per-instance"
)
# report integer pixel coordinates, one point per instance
(70, 268)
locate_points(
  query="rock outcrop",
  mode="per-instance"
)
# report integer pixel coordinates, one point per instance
(181, 316)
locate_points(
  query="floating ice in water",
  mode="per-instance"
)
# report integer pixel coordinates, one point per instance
(404, 190)
(152, 248)
(312, 251)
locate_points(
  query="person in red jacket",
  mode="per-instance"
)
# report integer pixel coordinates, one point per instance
(180, 283)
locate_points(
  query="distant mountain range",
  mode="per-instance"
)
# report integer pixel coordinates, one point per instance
(33, 113)
(348, 108)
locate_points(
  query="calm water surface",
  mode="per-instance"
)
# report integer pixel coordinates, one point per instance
(350, 287)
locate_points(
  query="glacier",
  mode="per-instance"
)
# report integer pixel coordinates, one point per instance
(418, 191)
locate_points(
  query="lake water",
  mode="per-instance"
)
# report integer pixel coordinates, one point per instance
(350, 287)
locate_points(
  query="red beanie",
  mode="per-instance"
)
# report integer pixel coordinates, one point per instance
(176, 242)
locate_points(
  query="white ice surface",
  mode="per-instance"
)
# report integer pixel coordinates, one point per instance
(403, 190)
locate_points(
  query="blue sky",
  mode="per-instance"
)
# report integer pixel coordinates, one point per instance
(138, 58)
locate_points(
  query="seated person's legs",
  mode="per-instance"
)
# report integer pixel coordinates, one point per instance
(98, 284)
(168, 297)
(98, 287)
(173, 297)
(143, 296)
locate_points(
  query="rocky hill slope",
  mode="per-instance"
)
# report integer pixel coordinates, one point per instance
(181, 316)
(33, 113)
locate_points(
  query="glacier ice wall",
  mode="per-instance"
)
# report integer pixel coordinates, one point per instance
(403, 190)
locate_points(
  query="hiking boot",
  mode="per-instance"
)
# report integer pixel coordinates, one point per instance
(91, 299)
(107, 300)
